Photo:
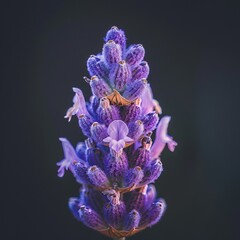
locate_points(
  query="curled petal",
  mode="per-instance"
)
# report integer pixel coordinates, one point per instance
(147, 100)
(70, 156)
(162, 138)
(148, 103)
(79, 105)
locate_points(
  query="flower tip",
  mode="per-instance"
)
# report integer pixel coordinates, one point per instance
(63, 139)
(114, 28)
(166, 119)
(76, 90)
(68, 116)
(60, 174)
(171, 145)
(161, 203)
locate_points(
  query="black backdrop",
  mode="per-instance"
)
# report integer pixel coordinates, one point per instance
(193, 51)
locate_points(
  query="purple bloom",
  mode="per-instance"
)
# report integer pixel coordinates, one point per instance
(162, 138)
(79, 105)
(70, 157)
(117, 139)
(148, 103)
(118, 162)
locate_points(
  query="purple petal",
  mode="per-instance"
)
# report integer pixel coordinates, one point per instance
(128, 139)
(162, 138)
(79, 105)
(148, 103)
(147, 100)
(69, 156)
(107, 139)
(117, 145)
(117, 130)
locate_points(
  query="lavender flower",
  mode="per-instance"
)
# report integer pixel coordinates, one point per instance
(118, 139)
(118, 162)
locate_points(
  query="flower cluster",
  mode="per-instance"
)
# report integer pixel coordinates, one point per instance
(118, 162)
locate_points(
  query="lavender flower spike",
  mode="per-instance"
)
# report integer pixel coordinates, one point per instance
(162, 138)
(119, 161)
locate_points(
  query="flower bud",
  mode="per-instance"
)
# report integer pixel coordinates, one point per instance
(112, 53)
(96, 66)
(154, 214)
(132, 220)
(107, 112)
(99, 87)
(140, 71)
(150, 121)
(118, 36)
(151, 195)
(132, 112)
(141, 157)
(80, 172)
(98, 177)
(133, 177)
(116, 167)
(119, 75)
(135, 89)
(137, 199)
(94, 103)
(94, 156)
(136, 129)
(85, 123)
(91, 219)
(93, 199)
(114, 214)
(81, 150)
(98, 131)
(152, 172)
(135, 54)
(73, 205)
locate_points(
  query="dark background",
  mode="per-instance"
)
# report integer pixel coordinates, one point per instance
(193, 51)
